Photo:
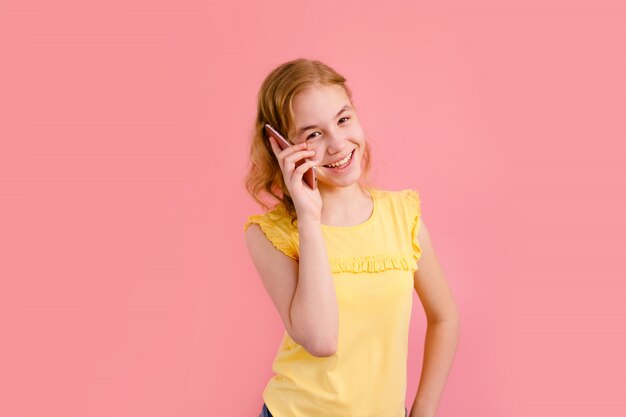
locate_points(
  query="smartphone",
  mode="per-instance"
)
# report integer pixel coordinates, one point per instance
(309, 176)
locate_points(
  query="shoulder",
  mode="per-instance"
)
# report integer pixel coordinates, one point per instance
(408, 197)
(276, 225)
(276, 217)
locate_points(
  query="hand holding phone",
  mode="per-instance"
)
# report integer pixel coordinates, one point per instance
(309, 176)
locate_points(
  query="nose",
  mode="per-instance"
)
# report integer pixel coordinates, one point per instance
(337, 142)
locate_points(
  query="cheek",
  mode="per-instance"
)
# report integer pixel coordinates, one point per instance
(356, 131)
(315, 147)
(319, 156)
(319, 152)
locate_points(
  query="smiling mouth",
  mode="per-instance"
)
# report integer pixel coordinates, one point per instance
(349, 156)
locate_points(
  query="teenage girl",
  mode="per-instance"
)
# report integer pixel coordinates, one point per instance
(340, 262)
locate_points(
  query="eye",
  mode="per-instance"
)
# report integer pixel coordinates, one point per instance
(311, 135)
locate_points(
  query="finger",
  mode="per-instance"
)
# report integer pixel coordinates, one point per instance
(296, 160)
(274, 145)
(299, 172)
(296, 156)
(277, 153)
(295, 148)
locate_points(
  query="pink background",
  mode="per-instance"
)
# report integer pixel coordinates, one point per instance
(126, 288)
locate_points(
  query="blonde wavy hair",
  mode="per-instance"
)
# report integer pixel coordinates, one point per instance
(274, 106)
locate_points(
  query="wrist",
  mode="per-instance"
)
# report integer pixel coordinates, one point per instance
(421, 410)
(306, 223)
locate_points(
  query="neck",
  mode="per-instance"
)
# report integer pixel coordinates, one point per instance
(339, 203)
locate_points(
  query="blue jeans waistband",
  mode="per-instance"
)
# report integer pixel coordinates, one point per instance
(266, 412)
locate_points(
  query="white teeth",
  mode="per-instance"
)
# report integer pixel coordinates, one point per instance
(342, 162)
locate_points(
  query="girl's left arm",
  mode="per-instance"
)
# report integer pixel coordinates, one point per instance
(442, 333)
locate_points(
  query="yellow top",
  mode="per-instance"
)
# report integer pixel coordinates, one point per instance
(372, 264)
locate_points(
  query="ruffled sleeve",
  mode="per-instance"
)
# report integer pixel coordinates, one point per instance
(274, 230)
(415, 214)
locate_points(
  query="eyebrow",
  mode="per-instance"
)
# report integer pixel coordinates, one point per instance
(305, 128)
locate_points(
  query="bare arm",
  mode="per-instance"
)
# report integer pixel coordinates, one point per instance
(303, 292)
(442, 332)
(314, 310)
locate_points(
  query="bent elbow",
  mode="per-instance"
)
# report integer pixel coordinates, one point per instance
(323, 350)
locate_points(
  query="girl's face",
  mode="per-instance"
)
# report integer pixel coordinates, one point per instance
(325, 119)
